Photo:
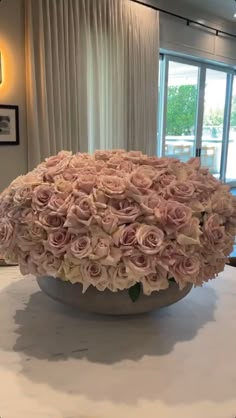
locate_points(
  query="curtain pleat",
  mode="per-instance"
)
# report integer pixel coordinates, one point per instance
(92, 73)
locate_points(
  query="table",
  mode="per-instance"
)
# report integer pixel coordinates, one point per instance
(179, 362)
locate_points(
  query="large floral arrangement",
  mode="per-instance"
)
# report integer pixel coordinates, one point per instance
(116, 218)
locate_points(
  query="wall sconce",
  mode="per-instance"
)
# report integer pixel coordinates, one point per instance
(0, 68)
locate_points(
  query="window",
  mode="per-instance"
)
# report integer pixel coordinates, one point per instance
(194, 114)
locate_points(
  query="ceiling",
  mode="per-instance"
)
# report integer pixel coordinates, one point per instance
(222, 8)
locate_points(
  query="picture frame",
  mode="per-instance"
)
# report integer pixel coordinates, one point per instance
(9, 125)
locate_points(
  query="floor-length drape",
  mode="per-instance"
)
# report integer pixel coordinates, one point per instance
(91, 76)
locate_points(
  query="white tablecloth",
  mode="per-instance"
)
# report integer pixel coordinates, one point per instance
(177, 363)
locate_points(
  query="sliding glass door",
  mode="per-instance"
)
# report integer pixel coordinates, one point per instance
(181, 110)
(231, 154)
(213, 120)
(195, 114)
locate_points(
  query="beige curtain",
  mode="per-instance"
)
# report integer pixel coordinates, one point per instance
(92, 73)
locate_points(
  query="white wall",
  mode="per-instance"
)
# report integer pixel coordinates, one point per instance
(175, 35)
(13, 159)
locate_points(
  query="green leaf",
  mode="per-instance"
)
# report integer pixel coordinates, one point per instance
(134, 292)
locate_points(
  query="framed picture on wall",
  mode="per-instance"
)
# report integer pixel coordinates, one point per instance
(9, 125)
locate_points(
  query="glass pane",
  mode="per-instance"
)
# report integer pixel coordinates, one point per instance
(181, 110)
(214, 106)
(231, 158)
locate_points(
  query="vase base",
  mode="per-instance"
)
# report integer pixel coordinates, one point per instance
(107, 302)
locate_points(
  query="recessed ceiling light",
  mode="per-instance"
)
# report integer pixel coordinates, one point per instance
(234, 14)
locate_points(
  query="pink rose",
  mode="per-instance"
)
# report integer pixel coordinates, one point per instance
(102, 155)
(81, 212)
(120, 278)
(99, 165)
(85, 182)
(51, 220)
(170, 251)
(9, 253)
(190, 234)
(128, 237)
(100, 199)
(166, 179)
(111, 185)
(56, 159)
(109, 222)
(81, 247)
(106, 171)
(6, 205)
(202, 190)
(139, 264)
(150, 202)
(32, 268)
(228, 246)
(222, 203)
(126, 166)
(100, 248)
(24, 238)
(27, 215)
(52, 173)
(120, 165)
(78, 162)
(173, 215)
(113, 257)
(70, 174)
(30, 179)
(59, 202)
(70, 271)
(207, 272)
(51, 265)
(22, 258)
(138, 182)
(58, 241)
(57, 165)
(181, 191)
(210, 271)
(23, 195)
(150, 239)
(118, 151)
(6, 232)
(214, 231)
(126, 210)
(115, 162)
(230, 228)
(36, 232)
(14, 214)
(194, 163)
(155, 281)
(41, 196)
(135, 156)
(186, 269)
(37, 253)
(87, 168)
(220, 265)
(93, 273)
(63, 186)
(125, 238)
(157, 162)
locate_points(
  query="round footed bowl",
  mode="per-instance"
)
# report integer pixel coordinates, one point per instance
(107, 302)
